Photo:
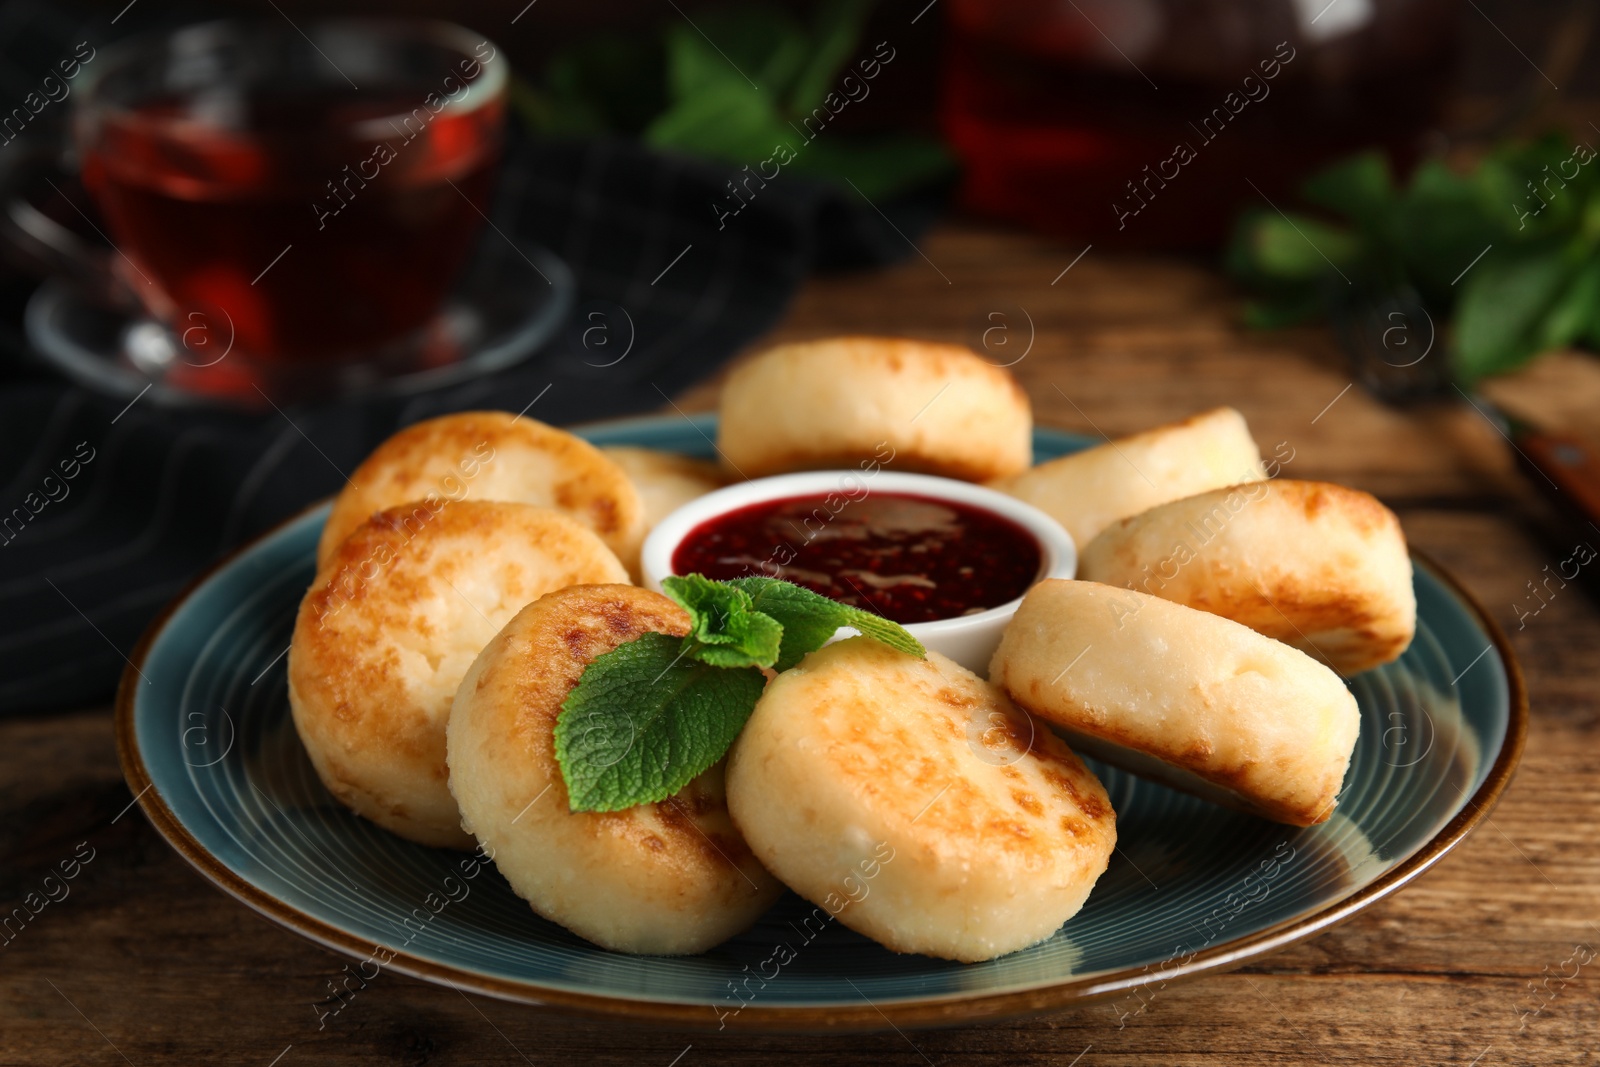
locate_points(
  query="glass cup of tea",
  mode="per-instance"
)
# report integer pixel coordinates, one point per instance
(307, 197)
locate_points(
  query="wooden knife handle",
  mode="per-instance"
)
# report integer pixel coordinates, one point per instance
(1567, 467)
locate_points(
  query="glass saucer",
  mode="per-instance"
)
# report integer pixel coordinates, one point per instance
(507, 303)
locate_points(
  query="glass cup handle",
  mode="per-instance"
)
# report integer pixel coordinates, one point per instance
(39, 244)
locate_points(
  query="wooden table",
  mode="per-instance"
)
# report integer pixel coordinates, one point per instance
(144, 962)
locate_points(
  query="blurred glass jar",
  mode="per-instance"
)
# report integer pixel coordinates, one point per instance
(1145, 123)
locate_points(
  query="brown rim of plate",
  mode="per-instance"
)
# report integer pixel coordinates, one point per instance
(934, 1011)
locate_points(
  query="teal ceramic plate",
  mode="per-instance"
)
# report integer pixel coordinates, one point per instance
(208, 746)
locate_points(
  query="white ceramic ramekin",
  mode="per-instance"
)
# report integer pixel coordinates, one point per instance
(970, 640)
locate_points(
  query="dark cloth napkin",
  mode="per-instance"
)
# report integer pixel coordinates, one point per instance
(155, 495)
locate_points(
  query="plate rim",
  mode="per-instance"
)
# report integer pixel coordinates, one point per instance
(945, 1010)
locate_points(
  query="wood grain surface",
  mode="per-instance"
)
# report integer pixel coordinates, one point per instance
(1481, 961)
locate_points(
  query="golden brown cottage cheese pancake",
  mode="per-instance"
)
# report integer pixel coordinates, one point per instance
(907, 405)
(665, 480)
(389, 626)
(1314, 565)
(668, 878)
(1087, 491)
(492, 455)
(913, 802)
(1183, 696)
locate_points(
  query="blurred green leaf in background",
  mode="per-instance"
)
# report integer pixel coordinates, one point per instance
(1508, 250)
(735, 85)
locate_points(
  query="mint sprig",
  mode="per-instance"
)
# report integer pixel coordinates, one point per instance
(645, 719)
(808, 619)
(1506, 252)
(761, 95)
(724, 623)
(652, 714)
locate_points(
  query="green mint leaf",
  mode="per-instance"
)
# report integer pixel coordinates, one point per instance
(714, 110)
(807, 619)
(725, 630)
(644, 720)
(837, 28)
(733, 123)
(1294, 248)
(757, 648)
(1572, 313)
(884, 632)
(810, 619)
(764, 41)
(1502, 306)
(1359, 188)
(1442, 223)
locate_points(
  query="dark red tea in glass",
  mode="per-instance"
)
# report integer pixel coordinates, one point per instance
(314, 197)
(1152, 123)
